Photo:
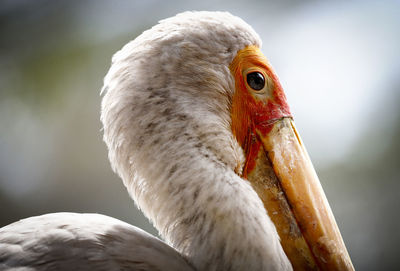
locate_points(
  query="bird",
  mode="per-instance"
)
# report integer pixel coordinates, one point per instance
(198, 128)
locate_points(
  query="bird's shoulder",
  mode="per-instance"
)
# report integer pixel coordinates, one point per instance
(66, 241)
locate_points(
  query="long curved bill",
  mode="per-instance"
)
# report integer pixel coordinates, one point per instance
(286, 181)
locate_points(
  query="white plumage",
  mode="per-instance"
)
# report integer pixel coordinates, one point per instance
(70, 241)
(166, 118)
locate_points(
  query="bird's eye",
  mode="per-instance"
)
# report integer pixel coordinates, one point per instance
(256, 80)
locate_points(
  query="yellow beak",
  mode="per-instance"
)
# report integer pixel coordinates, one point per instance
(288, 185)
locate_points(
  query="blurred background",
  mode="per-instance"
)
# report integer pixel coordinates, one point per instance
(339, 63)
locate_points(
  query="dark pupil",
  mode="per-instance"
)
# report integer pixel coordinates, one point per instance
(255, 80)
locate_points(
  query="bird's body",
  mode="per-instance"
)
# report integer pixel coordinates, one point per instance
(170, 114)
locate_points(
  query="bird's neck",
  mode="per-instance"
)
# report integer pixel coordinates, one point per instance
(207, 212)
(178, 161)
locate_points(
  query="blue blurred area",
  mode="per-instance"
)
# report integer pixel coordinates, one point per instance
(339, 63)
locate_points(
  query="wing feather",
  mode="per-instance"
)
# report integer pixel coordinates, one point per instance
(71, 241)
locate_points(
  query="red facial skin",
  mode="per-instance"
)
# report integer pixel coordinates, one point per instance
(254, 114)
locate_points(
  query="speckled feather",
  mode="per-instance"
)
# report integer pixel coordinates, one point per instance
(166, 117)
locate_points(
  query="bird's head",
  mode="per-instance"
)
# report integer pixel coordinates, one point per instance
(194, 96)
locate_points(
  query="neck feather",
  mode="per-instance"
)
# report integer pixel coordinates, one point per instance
(221, 223)
(182, 176)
